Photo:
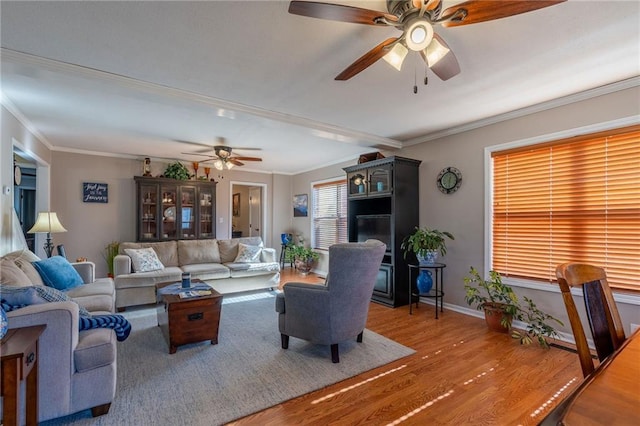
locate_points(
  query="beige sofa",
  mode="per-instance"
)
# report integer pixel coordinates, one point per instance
(212, 261)
(76, 369)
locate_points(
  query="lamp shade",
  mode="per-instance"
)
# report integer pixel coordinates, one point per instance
(47, 222)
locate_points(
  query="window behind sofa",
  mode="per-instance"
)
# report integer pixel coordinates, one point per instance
(576, 199)
(329, 213)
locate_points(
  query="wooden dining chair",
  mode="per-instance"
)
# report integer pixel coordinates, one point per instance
(604, 319)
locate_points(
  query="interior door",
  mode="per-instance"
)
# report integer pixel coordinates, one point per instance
(255, 212)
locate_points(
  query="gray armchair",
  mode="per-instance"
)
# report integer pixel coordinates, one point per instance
(337, 311)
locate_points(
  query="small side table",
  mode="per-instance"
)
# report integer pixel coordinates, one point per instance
(283, 255)
(19, 351)
(437, 292)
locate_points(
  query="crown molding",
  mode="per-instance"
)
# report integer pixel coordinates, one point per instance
(6, 102)
(544, 106)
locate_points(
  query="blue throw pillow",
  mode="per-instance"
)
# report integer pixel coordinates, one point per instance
(58, 273)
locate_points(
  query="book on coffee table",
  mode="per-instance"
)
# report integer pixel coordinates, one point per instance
(194, 293)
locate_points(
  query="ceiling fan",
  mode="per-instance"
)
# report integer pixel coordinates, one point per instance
(223, 157)
(416, 19)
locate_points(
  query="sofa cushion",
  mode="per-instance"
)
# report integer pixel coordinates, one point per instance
(229, 248)
(251, 269)
(167, 251)
(144, 260)
(191, 252)
(207, 271)
(10, 274)
(248, 254)
(58, 273)
(97, 296)
(149, 279)
(96, 348)
(23, 259)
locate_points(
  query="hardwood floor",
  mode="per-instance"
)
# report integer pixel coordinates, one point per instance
(461, 374)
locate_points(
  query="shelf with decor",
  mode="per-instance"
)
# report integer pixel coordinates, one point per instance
(170, 209)
(383, 203)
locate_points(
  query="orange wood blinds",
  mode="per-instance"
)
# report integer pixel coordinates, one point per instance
(576, 199)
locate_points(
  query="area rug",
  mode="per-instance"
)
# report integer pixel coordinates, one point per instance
(247, 371)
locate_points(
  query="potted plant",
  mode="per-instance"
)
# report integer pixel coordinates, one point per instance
(501, 306)
(110, 252)
(426, 244)
(177, 171)
(304, 258)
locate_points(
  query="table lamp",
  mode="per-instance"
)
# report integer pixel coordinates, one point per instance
(47, 222)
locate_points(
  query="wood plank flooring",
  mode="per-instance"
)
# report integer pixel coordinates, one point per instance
(461, 374)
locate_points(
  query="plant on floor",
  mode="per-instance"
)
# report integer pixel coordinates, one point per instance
(304, 257)
(110, 252)
(502, 306)
(426, 243)
(177, 171)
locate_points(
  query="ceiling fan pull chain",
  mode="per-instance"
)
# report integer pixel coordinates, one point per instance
(426, 77)
(415, 75)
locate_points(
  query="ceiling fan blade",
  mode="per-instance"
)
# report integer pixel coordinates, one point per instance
(366, 60)
(488, 10)
(447, 66)
(338, 12)
(197, 153)
(235, 162)
(247, 158)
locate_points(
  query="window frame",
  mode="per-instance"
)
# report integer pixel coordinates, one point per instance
(620, 295)
(343, 181)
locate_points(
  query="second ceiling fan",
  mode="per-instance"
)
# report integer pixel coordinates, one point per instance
(223, 157)
(416, 19)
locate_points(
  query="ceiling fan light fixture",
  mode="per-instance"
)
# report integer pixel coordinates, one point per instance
(218, 164)
(419, 34)
(435, 51)
(396, 56)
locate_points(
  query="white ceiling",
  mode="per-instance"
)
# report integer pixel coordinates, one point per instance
(132, 78)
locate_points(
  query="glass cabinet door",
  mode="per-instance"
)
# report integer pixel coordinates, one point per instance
(206, 219)
(187, 212)
(169, 211)
(380, 180)
(357, 183)
(149, 212)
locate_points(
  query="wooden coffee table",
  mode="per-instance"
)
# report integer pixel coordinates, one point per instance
(188, 320)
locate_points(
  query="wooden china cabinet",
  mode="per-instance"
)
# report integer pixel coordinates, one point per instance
(169, 209)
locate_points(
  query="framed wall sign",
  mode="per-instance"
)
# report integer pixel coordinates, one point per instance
(93, 192)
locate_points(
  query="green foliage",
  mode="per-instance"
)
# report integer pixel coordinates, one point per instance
(110, 252)
(305, 254)
(177, 171)
(481, 292)
(424, 240)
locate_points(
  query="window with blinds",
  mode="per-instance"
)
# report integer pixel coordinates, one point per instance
(574, 200)
(329, 214)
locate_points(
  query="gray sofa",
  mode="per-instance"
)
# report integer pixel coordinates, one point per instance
(76, 369)
(212, 261)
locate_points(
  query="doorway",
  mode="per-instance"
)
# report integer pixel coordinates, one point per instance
(247, 210)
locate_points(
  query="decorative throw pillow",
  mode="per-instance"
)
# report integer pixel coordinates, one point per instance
(248, 254)
(23, 259)
(24, 296)
(58, 273)
(144, 260)
(10, 274)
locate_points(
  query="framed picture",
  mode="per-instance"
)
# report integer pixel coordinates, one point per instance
(300, 205)
(236, 204)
